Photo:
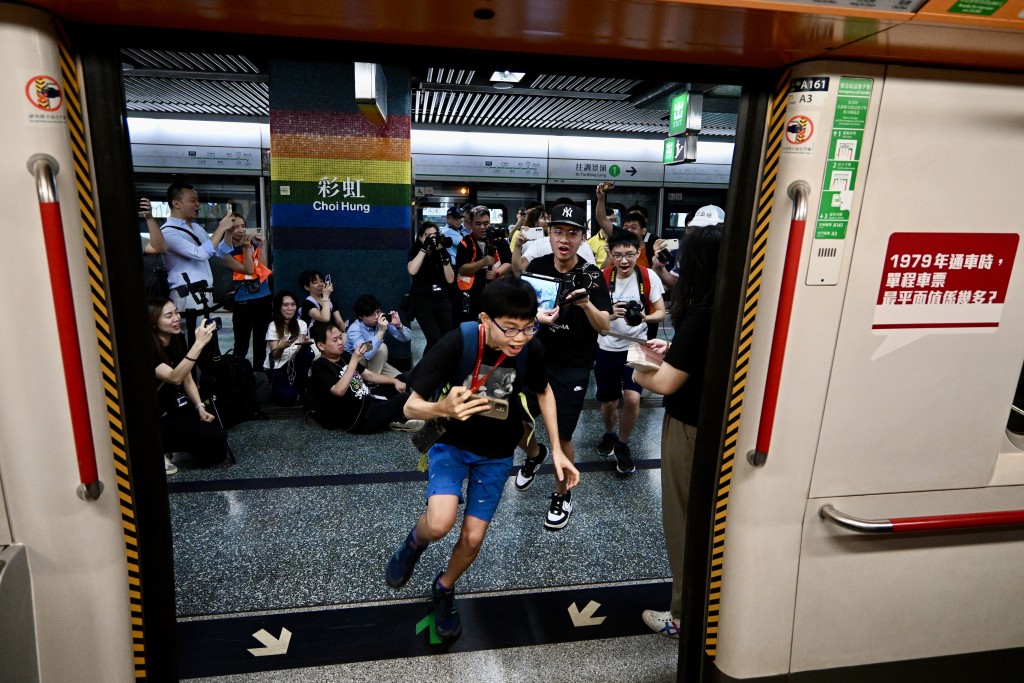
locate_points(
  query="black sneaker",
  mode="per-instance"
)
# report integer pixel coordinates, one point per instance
(447, 622)
(528, 472)
(402, 562)
(558, 513)
(624, 459)
(607, 445)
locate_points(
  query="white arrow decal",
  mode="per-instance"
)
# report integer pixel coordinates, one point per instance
(586, 617)
(273, 646)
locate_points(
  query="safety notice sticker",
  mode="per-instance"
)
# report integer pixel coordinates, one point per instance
(44, 94)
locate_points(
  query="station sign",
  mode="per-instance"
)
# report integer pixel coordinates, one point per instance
(619, 172)
(473, 167)
(698, 174)
(207, 159)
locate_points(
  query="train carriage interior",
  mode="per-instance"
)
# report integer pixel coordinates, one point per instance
(855, 510)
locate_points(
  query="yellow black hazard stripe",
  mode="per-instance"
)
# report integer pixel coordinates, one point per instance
(776, 118)
(105, 346)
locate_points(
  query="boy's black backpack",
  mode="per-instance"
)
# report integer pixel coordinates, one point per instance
(231, 379)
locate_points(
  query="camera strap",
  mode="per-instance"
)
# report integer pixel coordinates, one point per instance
(475, 384)
(642, 283)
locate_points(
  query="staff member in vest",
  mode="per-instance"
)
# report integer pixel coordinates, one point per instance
(189, 249)
(638, 299)
(253, 307)
(479, 261)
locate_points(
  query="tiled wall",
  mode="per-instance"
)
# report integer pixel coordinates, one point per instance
(322, 149)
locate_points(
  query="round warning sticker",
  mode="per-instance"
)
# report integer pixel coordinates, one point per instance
(799, 130)
(44, 93)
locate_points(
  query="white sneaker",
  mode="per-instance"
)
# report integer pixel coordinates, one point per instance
(661, 623)
(407, 426)
(169, 467)
(558, 513)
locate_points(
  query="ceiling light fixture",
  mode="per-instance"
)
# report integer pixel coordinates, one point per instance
(507, 76)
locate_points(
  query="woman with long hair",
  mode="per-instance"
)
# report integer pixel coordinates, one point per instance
(679, 380)
(185, 424)
(290, 351)
(430, 266)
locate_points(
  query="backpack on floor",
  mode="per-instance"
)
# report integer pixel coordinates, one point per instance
(231, 379)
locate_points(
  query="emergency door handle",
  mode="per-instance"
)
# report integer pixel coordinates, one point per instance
(799, 191)
(45, 168)
(898, 525)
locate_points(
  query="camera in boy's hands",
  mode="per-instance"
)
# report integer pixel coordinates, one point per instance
(634, 314)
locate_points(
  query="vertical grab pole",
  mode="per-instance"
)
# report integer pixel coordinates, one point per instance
(45, 168)
(798, 191)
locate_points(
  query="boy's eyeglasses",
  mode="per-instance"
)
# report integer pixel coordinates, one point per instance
(619, 257)
(514, 331)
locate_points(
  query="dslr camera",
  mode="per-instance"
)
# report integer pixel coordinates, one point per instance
(495, 233)
(634, 314)
(435, 243)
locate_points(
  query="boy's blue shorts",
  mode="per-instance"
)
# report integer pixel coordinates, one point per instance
(450, 465)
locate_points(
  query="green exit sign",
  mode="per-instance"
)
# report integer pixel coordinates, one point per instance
(685, 114)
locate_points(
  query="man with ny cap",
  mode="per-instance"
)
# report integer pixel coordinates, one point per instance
(570, 340)
(666, 264)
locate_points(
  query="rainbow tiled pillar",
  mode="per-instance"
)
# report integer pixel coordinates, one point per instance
(341, 186)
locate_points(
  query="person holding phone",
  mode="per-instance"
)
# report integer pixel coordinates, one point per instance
(289, 352)
(185, 424)
(252, 298)
(370, 327)
(318, 306)
(569, 341)
(345, 398)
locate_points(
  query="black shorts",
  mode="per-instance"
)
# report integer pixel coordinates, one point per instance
(569, 387)
(613, 376)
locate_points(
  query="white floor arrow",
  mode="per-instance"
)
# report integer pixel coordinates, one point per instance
(273, 646)
(586, 617)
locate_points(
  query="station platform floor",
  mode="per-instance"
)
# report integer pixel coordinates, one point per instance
(279, 565)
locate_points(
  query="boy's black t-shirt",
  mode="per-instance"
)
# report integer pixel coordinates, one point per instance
(483, 436)
(464, 255)
(337, 412)
(571, 340)
(689, 353)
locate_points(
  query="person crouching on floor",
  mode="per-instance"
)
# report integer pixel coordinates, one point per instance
(340, 395)
(475, 446)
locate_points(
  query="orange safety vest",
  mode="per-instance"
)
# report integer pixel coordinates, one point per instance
(465, 282)
(258, 269)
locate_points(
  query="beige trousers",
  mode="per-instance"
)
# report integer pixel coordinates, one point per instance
(380, 365)
(677, 441)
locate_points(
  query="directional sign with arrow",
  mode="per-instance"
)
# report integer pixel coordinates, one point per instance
(271, 645)
(586, 617)
(631, 170)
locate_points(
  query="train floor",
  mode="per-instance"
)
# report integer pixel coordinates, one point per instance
(279, 565)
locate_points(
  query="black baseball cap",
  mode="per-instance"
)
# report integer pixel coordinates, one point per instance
(455, 211)
(568, 214)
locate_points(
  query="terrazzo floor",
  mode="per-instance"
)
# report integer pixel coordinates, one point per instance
(323, 540)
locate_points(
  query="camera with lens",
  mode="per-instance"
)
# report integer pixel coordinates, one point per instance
(495, 233)
(634, 314)
(435, 243)
(579, 279)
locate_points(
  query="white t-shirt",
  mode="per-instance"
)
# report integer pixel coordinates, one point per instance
(536, 248)
(627, 289)
(290, 351)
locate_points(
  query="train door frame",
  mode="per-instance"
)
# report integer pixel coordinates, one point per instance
(99, 48)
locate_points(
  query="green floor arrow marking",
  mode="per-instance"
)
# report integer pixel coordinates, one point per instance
(428, 621)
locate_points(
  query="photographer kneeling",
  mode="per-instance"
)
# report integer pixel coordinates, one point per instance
(430, 266)
(483, 255)
(185, 424)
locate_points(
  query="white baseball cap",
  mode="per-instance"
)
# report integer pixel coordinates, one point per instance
(707, 215)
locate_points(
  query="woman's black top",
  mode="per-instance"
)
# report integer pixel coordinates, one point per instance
(430, 276)
(169, 395)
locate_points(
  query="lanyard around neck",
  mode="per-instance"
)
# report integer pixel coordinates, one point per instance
(476, 384)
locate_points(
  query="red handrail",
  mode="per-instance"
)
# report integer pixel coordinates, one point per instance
(798, 191)
(45, 168)
(906, 525)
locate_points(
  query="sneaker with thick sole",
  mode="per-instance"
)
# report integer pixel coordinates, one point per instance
(528, 472)
(558, 513)
(607, 445)
(402, 562)
(624, 459)
(407, 426)
(169, 467)
(661, 623)
(447, 622)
